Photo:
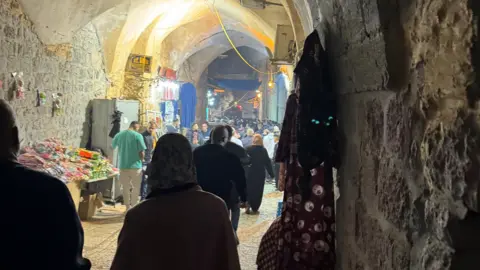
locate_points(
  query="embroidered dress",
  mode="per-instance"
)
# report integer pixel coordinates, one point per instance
(307, 235)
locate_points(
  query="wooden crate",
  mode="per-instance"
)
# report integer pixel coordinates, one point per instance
(75, 189)
(88, 207)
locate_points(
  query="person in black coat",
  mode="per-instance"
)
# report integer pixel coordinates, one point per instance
(217, 168)
(244, 158)
(40, 228)
(149, 143)
(256, 173)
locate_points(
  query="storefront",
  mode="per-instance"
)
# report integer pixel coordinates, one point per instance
(165, 93)
(175, 99)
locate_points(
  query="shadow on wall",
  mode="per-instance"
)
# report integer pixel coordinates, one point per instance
(465, 234)
(397, 49)
(86, 140)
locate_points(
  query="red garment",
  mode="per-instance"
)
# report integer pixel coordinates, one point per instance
(307, 235)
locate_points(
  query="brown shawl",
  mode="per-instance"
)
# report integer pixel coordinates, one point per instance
(184, 230)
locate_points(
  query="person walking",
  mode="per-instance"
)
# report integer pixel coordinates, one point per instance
(40, 228)
(174, 127)
(217, 168)
(205, 131)
(149, 137)
(236, 138)
(256, 173)
(242, 155)
(247, 141)
(178, 226)
(131, 152)
(194, 136)
(276, 165)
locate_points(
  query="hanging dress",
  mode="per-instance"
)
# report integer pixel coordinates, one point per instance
(307, 234)
(188, 102)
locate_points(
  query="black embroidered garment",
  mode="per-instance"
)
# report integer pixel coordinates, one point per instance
(117, 117)
(317, 108)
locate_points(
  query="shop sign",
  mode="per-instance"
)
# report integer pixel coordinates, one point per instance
(140, 63)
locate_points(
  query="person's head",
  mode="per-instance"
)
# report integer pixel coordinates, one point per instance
(176, 123)
(134, 125)
(250, 132)
(230, 131)
(276, 139)
(172, 163)
(257, 140)
(236, 134)
(10, 142)
(194, 126)
(259, 125)
(152, 127)
(276, 129)
(266, 132)
(205, 126)
(219, 135)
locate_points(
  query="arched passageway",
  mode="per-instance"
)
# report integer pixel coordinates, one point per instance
(405, 77)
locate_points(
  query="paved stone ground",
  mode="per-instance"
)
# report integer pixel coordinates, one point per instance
(101, 233)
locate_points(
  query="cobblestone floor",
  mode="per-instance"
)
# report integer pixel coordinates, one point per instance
(101, 232)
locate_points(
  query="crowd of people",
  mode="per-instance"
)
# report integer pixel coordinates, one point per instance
(182, 184)
(192, 188)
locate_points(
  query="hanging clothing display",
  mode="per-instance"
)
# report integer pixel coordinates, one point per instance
(278, 98)
(164, 91)
(282, 83)
(307, 236)
(188, 103)
(117, 117)
(169, 110)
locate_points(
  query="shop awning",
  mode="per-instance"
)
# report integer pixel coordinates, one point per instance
(234, 85)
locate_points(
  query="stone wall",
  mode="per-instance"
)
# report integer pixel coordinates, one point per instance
(75, 70)
(409, 116)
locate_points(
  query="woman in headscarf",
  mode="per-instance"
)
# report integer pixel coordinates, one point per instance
(179, 226)
(256, 174)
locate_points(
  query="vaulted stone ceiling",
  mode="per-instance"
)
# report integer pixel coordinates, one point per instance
(169, 30)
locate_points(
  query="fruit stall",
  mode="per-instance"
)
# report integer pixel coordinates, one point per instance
(80, 169)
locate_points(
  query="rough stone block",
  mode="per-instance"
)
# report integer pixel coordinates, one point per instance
(360, 57)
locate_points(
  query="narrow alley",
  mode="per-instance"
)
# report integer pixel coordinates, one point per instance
(374, 102)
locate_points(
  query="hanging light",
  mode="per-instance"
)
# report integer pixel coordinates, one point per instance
(271, 83)
(259, 95)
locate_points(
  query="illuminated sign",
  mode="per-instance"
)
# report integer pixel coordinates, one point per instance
(139, 63)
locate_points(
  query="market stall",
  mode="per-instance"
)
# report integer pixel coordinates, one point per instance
(78, 168)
